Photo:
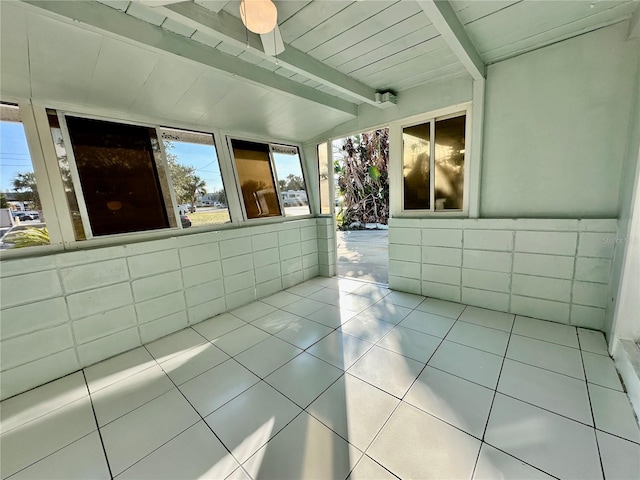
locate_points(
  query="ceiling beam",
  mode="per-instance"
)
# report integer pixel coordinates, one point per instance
(106, 19)
(446, 21)
(230, 29)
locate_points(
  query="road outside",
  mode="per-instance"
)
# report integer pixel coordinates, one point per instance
(364, 254)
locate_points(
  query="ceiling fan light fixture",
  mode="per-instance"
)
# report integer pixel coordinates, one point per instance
(259, 16)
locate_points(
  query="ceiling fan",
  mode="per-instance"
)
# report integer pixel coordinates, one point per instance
(258, 16)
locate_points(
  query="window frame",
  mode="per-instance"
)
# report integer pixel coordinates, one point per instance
(330, 179)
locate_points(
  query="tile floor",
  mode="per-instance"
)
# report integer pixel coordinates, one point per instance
(335, 378)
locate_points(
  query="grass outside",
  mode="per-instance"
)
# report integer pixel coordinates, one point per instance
(199, 219)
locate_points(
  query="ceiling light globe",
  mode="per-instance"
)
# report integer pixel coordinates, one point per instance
(259, 16)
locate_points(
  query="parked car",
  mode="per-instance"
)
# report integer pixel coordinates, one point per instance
(9, 238)
(24, 216)
(186, 222)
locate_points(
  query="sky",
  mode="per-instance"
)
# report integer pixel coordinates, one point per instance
(14, 153)
(203, 158)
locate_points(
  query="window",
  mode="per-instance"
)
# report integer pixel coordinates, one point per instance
(271, 179)
(22, 220)
(194, 168)
(323, 177)
(116, 168)
(293, 189)
(444, 156)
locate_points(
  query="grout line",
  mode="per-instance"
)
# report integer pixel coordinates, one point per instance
(95, 417)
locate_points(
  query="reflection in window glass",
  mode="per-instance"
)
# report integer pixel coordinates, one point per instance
(65, 173)
(23, 222)
(118, 175)
(290, 180)
(255, 175)
(449, 180)
(323, 173)
(416, 166)
(195, 173)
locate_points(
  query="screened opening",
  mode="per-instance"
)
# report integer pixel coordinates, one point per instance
(118, 175)
(293, 189)
(416, 148)
(323, 177)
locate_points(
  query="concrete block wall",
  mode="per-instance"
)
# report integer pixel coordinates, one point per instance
(557, 270)
(65, 311)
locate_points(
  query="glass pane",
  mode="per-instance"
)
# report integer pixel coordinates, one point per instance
(195, 174)
(65, 173)
(323, 171)
(290, 180)
(21, 219)
(256, 179)
(415, 166)
(118, 175)
(449, 180)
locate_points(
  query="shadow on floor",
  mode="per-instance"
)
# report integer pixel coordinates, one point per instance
(364, 254)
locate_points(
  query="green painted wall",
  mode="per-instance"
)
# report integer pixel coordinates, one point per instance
(556, 128)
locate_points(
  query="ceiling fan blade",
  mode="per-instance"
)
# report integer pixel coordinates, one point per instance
(272, 42)
(158, 3)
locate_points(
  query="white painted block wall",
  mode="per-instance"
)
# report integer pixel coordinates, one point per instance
(556, 270)
(65, 311)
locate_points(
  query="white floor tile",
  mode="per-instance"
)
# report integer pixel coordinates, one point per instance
(251, 419)
(138, 433)
(354, 410)
(281, 299)
(410, 343)
(549, 390)
(554, 444)
(592, 341)
(266, 357)
(238, 474)
(305, 289)
(601, 370)
(373, 291)
(367, 469)
(430, 323)
(219, 325)
(304, 449)
(35, 403)
(387, 312)
(175, 344)
(406, 449)
(620, 458)
(195, 453)
(240, 340)
(387, 370)
(613, 413)
(304, 333)
(556, 358)
(328, 296)
(469, 363)
(304, 378)
(461, 403)
(253, 311)
(441, 307)
(331, 316)
(32, 441)
(339, 349)
(366, 328)
(488, 318)
(345, 285)
(403, 299)
(275, 321)
(548, 331)
(192, 363)
(120, 398)
(356, 303)
(82, 459)
(217, 386)
(116, 368)
(496, 465)
(483, 338)
(303, 307)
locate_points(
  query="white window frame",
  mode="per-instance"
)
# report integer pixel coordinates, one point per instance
(330, 179)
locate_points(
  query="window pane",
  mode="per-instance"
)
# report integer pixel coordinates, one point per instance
(65, 173)
(415, 166)
(195, 174)
(256, 179)
(22, 222)
(449, 181)
(323, 171)
(118, 175)
(290, 180)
